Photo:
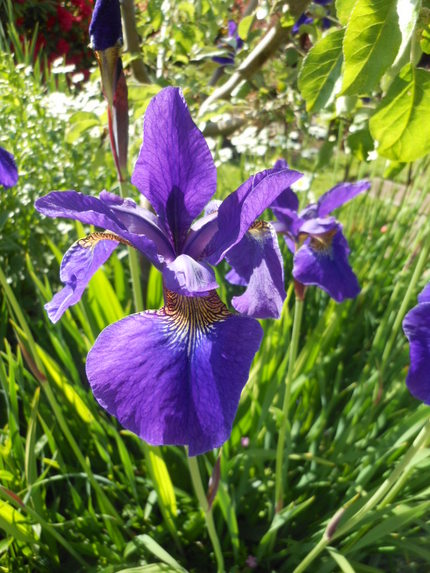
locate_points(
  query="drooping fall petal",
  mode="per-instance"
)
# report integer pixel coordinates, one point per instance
(175, 376)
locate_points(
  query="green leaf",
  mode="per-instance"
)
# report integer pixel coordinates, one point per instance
(425, 40)
(401, 124)
(360, 143)
(372, 40)
(80, 122)
(344, 9)
(342, 562)
(320, 71)
(245, 26)
(14, 524)
(151, 568)
(400, 516)
(156, 549)
(408, 11)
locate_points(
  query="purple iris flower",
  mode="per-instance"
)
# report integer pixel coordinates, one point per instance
(416, 326)
(307, 19)
(172, 376)
(317, 241)
(8, 170)
(233, 44)
(303, 19)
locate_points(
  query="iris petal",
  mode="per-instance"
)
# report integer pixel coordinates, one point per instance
(424, 296)
(324, 262)
(416, 325)
(79, 264)
(240, 209)
(175, 169)
(8, 170)
(175, 376)
(93, 211)
(187, 276)
(339, 195)
(257, 261)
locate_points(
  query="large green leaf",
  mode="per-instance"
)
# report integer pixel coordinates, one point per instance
(401, 124)
(408, 11)
(372, 40)
(344, 9)
(321, 70)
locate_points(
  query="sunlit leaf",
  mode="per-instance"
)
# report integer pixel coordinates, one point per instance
(321, 70)
(372, 40)
(401, 124)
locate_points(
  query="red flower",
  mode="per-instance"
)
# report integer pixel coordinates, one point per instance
(65, 18)
(62, 47)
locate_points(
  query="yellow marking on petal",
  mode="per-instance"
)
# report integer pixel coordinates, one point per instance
(322, 242)
(91, 240)
(258, 228)
(192, 317)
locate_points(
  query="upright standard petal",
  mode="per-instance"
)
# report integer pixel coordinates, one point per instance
(79, 264)
(323, 261)
(339, 195)
(257, 262)
(175, 169)
(416, 326)
(175, 376)
(93, 211)
(240, 209)
(105, 26)
(8, 170)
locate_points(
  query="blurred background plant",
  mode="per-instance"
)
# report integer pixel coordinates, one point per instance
(78, 492)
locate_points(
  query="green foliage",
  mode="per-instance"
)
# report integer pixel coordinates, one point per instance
(321, 70)
(372, 40)
(399, 123)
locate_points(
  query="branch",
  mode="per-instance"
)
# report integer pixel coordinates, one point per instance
(262, 52)
(132, 44)
(275, 37)
(224, 127)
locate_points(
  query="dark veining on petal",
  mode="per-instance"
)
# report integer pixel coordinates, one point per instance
(91, 240)
(192, 317)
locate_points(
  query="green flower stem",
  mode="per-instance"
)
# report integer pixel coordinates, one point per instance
(133, 257)
(201, 496)
(386, 488)
(285, 429)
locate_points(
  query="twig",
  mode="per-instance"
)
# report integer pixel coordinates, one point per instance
(224, 127)
(132, 45)
(264, 49)
(275, 37)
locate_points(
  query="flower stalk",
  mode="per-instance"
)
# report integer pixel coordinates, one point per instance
(285, 429)
(201, 496)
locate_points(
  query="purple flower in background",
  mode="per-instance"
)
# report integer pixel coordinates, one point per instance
(317, 241)
(416, 326)
(233, 44)
(8, 170)
(172, 376)
(305, 18)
